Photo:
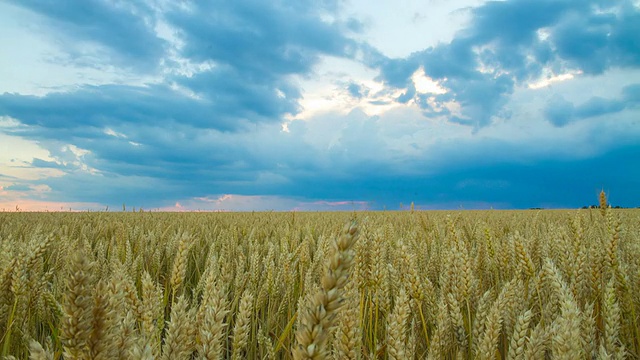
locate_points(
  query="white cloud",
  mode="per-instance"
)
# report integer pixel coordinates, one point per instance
(551, 79)
(425, 84)
(111, 132)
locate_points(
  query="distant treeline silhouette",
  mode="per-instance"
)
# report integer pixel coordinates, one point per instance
(613, 207)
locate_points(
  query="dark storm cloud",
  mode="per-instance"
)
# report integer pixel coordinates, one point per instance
(354, 90)
(193, 131)
(108, 105)
(567, 183)
(561, 112)
(125, 29)
(259, 39)
(509, 43)
(253, 47)
(44, 164)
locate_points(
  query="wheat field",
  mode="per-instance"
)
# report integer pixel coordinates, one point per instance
(562, 284)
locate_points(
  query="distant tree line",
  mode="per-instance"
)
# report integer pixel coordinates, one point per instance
(613, 207)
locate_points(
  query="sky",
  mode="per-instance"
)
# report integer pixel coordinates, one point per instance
(318, 105)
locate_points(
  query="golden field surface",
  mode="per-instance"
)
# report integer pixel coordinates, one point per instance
(562, 284)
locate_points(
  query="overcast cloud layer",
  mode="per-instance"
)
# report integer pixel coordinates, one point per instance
(253, 105)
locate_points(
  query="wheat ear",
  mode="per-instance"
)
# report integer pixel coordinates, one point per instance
(37, 352)
(318, 317)
(397, 327)
(518, 339)
(179, 342)
(77, 305)
(242, 326)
